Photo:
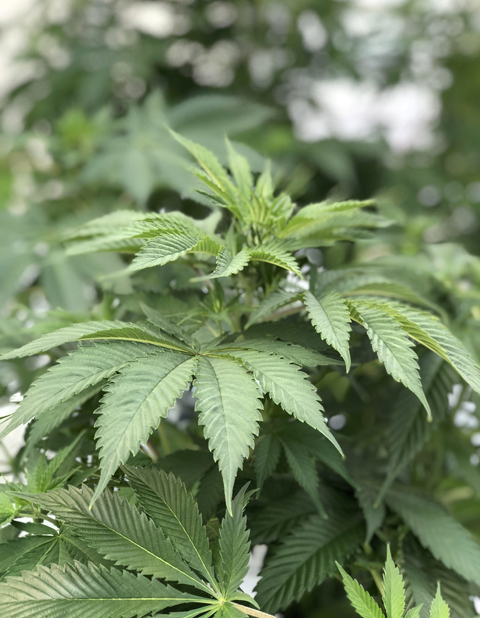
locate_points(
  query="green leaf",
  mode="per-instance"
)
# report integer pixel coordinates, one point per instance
(166, 325)
(119, 532)
(392, 345)
(364, 604)
(374, 513)
(275, 253)
(74, 373)
(306, 557)
(414, 612)
(166, 500)
(272, 302)
(288, 387)
(234, 546)
(210, 493)
(294, 353)
(275, 520)
(55, 551)
(240, 169)
(409, 429)
(393, 592)
(438, 531)
(88, 331)
(228, 400)
(303, 468)
(214, 171)
(423, 573)
(267, 455)
(430, 332)
(7, 509)
(26, 553)
(80, 591)
(228, 264)
(316, 216)
(163, 249)
(439, 609)
(54, 417)
(331, 319)
(135, 401)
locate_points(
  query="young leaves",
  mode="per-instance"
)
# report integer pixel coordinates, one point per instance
(393, 592)
(439, 608)
(393, 596)
(364, 604)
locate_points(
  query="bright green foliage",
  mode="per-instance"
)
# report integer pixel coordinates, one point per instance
(393, 593)
(439, 608)
(160, 375)
(7, 510)
(362, 601)
(393, 596)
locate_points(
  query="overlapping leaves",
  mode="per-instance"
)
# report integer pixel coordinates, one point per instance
(160, 551)
(147, 369)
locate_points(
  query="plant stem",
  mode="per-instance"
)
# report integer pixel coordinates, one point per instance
(377, 579)
(250, 611)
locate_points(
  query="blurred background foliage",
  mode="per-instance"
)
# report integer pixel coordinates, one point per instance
(347, 98)
(353, 98)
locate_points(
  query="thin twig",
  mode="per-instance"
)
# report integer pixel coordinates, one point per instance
(256, 613)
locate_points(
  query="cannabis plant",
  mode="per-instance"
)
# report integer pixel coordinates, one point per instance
(319, 386)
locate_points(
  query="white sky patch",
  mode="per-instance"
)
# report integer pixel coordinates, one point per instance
(406, 114)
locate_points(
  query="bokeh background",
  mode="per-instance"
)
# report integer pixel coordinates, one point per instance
(347, 98)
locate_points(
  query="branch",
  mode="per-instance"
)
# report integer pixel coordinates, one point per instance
(256, 613)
